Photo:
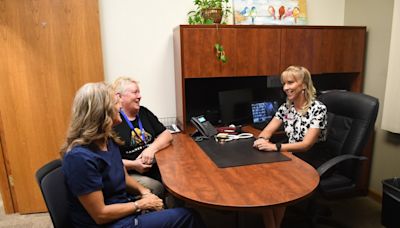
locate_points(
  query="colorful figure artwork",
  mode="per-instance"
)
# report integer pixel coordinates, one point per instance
(267, 12)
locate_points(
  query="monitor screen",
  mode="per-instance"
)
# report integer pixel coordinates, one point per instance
(234, 106)
(263, 111)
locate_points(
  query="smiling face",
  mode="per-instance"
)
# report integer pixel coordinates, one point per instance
(293, 87)
(130, 98)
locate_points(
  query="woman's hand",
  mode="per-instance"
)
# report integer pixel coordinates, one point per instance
(264, 145)
(150, 202)
(136, 165)
(147, 156)
(163, 140)
(141, 167)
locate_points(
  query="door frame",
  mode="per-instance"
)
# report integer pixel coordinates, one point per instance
(5, 188)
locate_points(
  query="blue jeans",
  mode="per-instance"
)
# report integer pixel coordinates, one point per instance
(176, 217)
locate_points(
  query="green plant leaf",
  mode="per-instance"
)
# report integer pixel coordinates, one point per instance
(223, 58)
(209, 22)
(207, 4)
(218, 47)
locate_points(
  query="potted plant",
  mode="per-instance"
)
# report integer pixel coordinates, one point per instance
(212, 12)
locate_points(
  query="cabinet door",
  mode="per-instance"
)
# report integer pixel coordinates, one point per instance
(49, 49)
(302, 47)
(199, 55)
(343, 50)
(257, 51)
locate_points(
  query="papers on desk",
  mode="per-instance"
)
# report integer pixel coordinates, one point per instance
(173, 128)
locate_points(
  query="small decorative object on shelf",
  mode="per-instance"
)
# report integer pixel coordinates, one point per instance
(210, 12)
(271, 12)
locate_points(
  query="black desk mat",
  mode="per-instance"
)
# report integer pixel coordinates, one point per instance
(238, 153)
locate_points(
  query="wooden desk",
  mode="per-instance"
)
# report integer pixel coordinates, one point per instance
(189, 174)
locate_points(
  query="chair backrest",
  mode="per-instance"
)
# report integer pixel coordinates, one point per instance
(51, 182)
(351, 119)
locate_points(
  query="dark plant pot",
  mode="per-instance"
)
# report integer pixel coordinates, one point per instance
(214, 14)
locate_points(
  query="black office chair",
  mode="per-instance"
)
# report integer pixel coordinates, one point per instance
(51, 182)
(351, 119)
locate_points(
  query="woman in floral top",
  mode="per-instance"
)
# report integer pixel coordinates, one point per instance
(303, 117)
(304, 120)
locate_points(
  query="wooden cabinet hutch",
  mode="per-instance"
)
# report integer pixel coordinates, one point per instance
(333, 54)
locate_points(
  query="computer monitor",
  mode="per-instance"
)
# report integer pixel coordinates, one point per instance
(234, 106)
(262, 112)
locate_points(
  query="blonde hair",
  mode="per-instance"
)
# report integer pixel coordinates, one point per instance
(93, 110)
(120, 84)
(301, 74)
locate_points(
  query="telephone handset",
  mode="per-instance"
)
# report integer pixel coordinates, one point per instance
(203, 126)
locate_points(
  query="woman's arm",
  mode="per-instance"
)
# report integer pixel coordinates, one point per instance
(272, 126)
(101, 213)
(309, 140)
(94, 204)
(267, 132)
(136, 165)
(149, 201)
(163, 140)
(132, 186)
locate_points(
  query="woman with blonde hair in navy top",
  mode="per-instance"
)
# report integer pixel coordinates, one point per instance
(101, 194)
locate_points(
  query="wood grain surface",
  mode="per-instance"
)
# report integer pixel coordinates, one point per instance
(189, 174)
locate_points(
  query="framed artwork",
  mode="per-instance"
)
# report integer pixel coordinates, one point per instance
(270, 12)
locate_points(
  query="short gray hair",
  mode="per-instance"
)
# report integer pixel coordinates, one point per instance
(120, 84)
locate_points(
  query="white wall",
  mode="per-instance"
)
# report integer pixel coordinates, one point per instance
(391, 109)
(325, 12)
(137, 41)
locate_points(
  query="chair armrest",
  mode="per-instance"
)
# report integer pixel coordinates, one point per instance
(336, 160)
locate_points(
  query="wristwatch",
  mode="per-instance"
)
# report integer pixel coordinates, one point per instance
(137, 207)
(278, 147)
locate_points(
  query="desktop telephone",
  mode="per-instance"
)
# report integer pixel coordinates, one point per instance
(203, 126)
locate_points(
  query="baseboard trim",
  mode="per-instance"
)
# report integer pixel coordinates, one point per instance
(375, 196)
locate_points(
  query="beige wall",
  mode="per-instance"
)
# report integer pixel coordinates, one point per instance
(377, 16)
(137, 41)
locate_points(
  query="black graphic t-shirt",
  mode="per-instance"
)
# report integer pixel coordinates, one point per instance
(134, 143)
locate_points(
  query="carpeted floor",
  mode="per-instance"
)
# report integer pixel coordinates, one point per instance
(38, 220)
(361, 212)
